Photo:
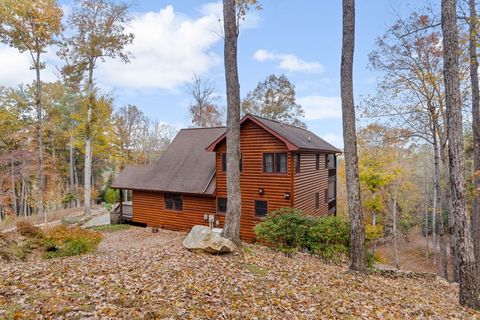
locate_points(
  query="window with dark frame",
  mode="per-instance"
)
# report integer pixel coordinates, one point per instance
(326, 195)
(173, 201)
(326, 161)
(317, 161)
(280, 162)
(297, 162)
(261, 208)
(222, 205)
(268, 162)
(275, 162)
(224, 162)
(317, 200)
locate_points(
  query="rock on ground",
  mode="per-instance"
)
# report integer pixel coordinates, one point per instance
(202, 238)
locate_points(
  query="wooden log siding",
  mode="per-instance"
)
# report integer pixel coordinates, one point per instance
(308, 182)
(149, 208)
(255, 141)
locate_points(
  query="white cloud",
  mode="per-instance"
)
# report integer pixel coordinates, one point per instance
(15, 67)
(168, 49)
(289, 62)
(321, 107)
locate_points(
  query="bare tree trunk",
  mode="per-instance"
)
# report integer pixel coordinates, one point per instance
(434, 223)
(231, 228)
(395, 244)
(441, 228)
(14, 196)
(87, 181)
(350, 139)
(473, 24)
(427, 249)
(448, 205)
(23, 205)
(468, 275)
(70, 167)
(38, 104)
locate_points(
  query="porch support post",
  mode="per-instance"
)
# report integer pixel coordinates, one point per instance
(121, 202)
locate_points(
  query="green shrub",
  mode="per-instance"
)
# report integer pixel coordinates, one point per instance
(111, 196)
(63, 241)
(284, 230)
(329, 238)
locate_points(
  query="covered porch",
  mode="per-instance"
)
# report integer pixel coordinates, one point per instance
(124, 208)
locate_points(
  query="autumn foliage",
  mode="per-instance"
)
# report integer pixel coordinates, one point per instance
(63, 241)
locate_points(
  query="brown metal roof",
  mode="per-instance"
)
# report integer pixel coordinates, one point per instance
(295, 138)
(185, 167)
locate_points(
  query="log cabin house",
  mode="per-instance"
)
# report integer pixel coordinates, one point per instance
(281, 166)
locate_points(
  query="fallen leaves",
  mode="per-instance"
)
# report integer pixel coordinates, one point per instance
(157, 278)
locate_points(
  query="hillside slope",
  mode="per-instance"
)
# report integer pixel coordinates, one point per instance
(151, 276)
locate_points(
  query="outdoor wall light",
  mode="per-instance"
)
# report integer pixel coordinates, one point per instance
(260, 190)
(287, 195)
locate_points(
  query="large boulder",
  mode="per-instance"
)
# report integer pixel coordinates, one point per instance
(202, 238)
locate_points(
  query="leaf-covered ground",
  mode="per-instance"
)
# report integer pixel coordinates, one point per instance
(139, 275)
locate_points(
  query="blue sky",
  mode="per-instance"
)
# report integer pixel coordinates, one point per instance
(176, 39)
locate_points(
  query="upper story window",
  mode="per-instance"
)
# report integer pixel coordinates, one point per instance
(275, 162)
(222, 205)
(261, 208)
(297, 162)
(224, 162)
(317, 161)
(331, 163)
(173, 201)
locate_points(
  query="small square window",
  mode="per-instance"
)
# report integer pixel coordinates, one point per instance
(261, 208)
(173, 201)
(222, 205)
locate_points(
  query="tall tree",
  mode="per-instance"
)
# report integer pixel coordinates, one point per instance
(472, 48)
(129, 124)
(468, 274)
(203, 111)
(98, 33)
(357, 253)
(231, 229)
(274, 98)
(410, 96)
(31, 26)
